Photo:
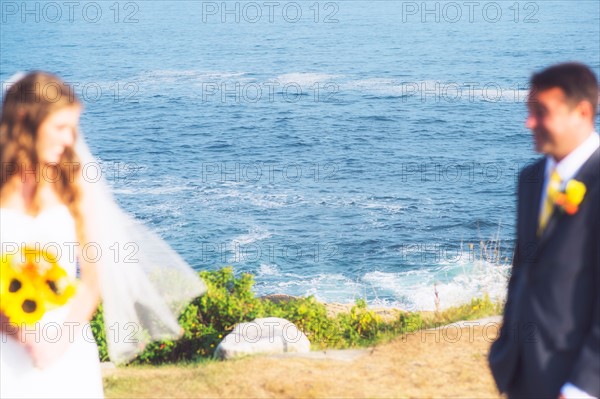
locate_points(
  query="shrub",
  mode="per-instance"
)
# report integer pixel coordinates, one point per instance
(97, 325)
(229, 300)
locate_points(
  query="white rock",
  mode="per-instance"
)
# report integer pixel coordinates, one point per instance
(269, 335)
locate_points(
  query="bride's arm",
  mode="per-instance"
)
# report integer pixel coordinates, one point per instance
(83, 305)
(6, 326)
(87, 297)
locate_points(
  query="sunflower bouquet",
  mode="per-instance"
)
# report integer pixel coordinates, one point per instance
(32, 282)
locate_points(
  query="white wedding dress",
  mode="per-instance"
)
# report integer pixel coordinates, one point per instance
(76, 374)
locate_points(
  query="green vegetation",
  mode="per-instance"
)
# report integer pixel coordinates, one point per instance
(230, 300)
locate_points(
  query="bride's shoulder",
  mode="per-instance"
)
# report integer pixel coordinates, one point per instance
(15, 203)
(54, 209)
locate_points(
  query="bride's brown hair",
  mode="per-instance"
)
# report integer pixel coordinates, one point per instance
(27, 103)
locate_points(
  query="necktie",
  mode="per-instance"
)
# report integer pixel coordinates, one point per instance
(548, 207)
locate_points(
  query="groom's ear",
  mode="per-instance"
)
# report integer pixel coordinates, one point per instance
(585, 110)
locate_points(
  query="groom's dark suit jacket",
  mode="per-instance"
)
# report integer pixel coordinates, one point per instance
(551, 329)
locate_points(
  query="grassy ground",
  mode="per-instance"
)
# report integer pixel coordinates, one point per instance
(447, 362)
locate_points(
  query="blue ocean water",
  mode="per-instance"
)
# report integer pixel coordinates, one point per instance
(346, 149)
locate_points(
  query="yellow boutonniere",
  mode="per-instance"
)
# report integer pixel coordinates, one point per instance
(570, 199)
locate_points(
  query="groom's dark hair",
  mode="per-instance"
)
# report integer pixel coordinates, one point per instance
(576, 80)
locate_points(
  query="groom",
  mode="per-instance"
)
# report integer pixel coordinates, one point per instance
(549, 343)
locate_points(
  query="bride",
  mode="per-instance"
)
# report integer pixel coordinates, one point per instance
(47, 201)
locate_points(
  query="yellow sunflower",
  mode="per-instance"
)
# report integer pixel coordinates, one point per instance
(57, 288)
(6, 273)
(24, 306)
(10, 282)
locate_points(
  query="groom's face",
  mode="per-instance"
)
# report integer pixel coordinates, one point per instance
(552, 121)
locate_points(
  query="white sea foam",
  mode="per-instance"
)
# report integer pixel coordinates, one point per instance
(266, 269)
(149, 190)
(172, 75)
(307, 79)
(267, 201)
(242, 197)
(430, 90)
(325, 287)
(379, 86)
(437, 90)
(455, 284)
(389, 207)
(256, 234)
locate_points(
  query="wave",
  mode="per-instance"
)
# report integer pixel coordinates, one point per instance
(257, 234)
(447, 283)
(266, 269)
(171, 75)
(306, 79)
(377, 88)
(450, 284)
(435, 90)
(325, 287)
(149, 190)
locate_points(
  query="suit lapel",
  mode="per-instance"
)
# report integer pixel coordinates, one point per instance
(590, 171)
(534, 183)
(557, 215)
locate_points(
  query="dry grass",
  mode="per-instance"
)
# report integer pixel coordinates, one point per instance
(440, 363)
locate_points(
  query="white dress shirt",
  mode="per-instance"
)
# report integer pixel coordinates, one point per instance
(568, 167)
